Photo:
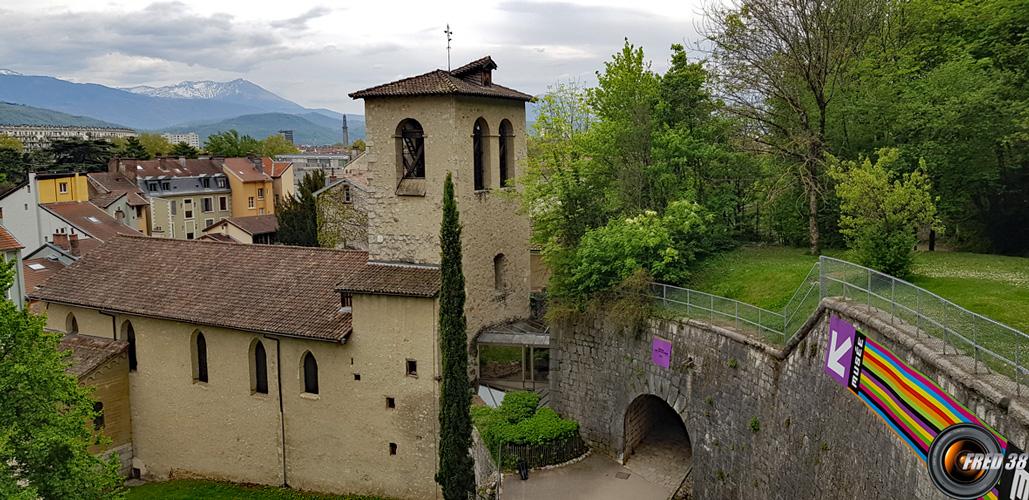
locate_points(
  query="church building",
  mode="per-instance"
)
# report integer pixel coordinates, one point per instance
(308, 367)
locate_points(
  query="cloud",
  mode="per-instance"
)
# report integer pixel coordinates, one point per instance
(166, 31)
(300, 22)
(318, 56)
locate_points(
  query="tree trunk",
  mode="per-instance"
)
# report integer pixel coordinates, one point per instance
(812, 218)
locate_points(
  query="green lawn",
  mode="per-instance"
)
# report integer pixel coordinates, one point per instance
(202, 490)
(992, 285)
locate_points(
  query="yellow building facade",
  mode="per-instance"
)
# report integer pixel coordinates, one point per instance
(54, 188)
(253, 192)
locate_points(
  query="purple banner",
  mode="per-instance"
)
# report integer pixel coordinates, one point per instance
(840, 351)
(661, 352)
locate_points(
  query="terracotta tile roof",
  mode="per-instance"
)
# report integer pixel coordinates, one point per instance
(109, 184)
(88, 353)
(89, 219)
(219, 237)
(245, 169)
(273, 168)
(230, 285)
(167, 167)
(392, 279)
(36, 271)
(252, 225)
(105, 200)
(443, 82)
(7, 242)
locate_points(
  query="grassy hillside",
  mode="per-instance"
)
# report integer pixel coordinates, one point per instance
(262, 125)
(992, 285)
(20, 114)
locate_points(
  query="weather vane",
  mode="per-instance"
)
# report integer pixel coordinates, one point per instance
(448, 33)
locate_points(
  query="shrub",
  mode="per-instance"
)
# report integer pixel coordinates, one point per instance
(665, 246)
(518, 421)
(881, 211)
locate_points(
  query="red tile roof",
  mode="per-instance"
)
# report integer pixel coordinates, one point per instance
(89, 219)
(36, 271)
(273, 168)
(88, 353)
(109, 186)
(443, 82)
(392, 279)
(275, 289)
(245, 170)
(252, 225)
(7, 242)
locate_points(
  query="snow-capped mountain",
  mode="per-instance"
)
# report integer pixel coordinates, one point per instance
(203, 89)
(9, 72)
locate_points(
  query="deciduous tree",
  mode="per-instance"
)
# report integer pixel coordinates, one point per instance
(45, 415)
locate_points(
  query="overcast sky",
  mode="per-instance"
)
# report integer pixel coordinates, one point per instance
(315, 52)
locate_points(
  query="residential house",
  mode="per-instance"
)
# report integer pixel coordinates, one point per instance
(252, 189)
(32, 212)
(282, 174)
(260, 229)
(185, 195)
(10, 251)
(120, 196)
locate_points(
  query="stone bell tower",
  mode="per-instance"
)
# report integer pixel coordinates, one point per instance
(418, 129)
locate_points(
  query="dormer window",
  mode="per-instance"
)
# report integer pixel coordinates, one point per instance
(346, 301)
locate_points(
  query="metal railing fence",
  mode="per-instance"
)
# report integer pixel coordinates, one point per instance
(992, 344)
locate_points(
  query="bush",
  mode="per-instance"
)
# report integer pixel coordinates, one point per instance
(518, 421)
(881, 211)
(665, 246)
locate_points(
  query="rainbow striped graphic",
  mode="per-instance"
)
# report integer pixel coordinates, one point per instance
(912, 405)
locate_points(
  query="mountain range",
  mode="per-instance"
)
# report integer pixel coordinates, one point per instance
(202, 106)
(21, 114)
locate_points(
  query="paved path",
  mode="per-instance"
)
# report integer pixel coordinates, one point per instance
(663, 457)
(596, 477)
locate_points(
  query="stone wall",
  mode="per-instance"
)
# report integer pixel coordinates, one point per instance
(764, 421)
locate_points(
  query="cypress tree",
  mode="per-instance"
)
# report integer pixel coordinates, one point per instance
(456, 473)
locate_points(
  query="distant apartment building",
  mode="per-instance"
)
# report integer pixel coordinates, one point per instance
(252, 190)
(185, 195)
(259, 229)
(190, 138)
(36, 137)
(287, 134)
(303, 164)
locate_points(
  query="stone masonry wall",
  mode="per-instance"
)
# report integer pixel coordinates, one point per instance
(765, 422)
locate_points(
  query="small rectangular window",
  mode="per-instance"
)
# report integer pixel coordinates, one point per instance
(357, 376)
(208, 222)
(260, 193)
(346, 300)
(412, 368)
(250, 202)
(63, 187)
(220, 182)
(346, 194)
(393, 448)
(223, 203)
(391, 403)
(165, 185)
(207, 204)
(205, 182)
(151, 186)
(98, 420)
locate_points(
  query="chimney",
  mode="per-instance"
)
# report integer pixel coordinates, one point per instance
(73, 243)
(61, 240)
(182, 161)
